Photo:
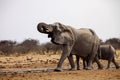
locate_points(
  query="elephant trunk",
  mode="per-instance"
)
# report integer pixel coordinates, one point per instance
(44, 28)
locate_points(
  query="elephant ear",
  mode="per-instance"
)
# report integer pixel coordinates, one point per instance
(65, 30)
(59, 27)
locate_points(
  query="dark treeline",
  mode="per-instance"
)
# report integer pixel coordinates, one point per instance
(8, 47)
(115, 42)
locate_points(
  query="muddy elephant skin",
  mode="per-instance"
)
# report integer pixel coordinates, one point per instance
(82, 42)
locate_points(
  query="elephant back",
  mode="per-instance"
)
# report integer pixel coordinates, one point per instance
(96, 42)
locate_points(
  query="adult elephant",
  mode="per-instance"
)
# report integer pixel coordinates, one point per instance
(81, 42)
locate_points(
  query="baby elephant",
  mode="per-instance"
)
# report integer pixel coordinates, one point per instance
(107, 52)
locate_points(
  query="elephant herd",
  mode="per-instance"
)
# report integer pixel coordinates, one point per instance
(83, 43)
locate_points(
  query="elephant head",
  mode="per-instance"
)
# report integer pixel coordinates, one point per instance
(58, 33)
(44, 28)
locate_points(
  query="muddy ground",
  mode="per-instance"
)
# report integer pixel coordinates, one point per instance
(41, 67)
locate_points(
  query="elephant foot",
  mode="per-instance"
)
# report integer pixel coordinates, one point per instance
(100, 67)
(117, 67)
(108, 68)
(78, 68)
(88, 68)
(72, 69)
(58, 70)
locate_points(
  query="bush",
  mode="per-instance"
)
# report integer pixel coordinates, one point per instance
(50, 47)
(115, 42)
(8, 47)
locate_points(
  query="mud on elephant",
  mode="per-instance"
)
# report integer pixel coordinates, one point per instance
(81, 42)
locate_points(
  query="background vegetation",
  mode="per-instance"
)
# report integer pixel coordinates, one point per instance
(8, 47)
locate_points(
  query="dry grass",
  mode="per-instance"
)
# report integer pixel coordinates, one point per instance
(117, 54)
(35, 61)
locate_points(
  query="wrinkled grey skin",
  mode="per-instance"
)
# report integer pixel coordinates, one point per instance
(81, 42)
(105, 52)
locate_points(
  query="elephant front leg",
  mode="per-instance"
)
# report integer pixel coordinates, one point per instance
(63, 57)
(70, 58)
(65, 54)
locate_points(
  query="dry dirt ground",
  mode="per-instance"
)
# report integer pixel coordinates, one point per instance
(40, 67)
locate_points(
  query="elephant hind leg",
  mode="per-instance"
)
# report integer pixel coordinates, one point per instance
(115, 63)
(108, 66)
(109, 61)
(77, 61)
(85, 63)
(100, 66)
(89, 65)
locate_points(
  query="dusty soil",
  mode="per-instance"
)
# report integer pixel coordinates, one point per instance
(41, 67)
